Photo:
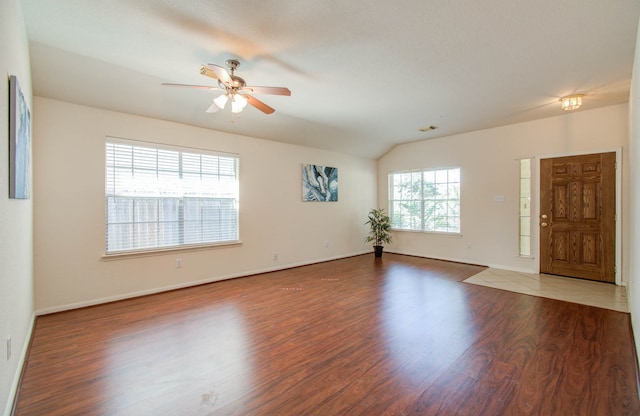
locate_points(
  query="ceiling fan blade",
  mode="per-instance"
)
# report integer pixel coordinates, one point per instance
(268, 90)
(259, 104)
(216, 72)
(200, 87)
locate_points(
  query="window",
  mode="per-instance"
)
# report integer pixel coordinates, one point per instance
(161, 197)
(525, 208)
(427, 200)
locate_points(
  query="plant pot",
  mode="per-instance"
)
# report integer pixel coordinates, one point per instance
(377, 250)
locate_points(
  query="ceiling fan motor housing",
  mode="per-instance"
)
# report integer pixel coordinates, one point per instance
(237, 82)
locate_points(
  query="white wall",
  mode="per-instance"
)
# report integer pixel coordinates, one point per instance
(633, 289)
(69, 208)
(489, 167)
(16, 236)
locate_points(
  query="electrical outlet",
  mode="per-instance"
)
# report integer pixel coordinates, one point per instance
(8, 347)
(275, 257)
(326, 244)
(178, 263)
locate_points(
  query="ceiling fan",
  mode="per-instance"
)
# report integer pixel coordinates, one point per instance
(234, 89)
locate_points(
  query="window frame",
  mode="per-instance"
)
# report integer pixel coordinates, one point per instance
(423, 199)
(181, 222)
(525, 206)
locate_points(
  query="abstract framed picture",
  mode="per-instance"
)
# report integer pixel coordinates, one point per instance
(319, 183)
(19, 143)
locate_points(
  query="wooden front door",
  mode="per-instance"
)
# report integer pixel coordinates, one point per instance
(577, 216)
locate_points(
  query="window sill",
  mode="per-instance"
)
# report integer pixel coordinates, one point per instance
(428, 232)
(166, 250)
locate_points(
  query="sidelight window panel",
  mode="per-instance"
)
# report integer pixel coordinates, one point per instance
(525, 208)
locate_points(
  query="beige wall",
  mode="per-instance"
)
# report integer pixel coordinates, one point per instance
(16, 237)
(68, 204)
(69, 208)
(489, 167)
(633, 291)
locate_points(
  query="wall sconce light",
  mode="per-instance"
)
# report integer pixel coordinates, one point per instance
(572, 102)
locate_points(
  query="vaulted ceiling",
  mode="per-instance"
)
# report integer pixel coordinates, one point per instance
(364, 75)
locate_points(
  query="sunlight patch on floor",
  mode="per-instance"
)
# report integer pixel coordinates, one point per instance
(586, 292)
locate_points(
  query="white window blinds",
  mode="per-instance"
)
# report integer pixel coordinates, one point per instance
(161, 197)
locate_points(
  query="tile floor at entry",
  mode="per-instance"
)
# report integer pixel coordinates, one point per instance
(586, 292)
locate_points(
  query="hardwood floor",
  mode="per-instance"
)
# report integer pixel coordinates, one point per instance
(357, 336)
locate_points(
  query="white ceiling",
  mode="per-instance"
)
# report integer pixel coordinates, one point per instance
(364, 75)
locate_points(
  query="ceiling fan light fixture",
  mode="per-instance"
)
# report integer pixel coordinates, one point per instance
(221, 101)
(571, 102)
(213, 108)
(238, 103)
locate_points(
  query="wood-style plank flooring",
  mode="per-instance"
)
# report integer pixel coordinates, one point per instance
(358, 336)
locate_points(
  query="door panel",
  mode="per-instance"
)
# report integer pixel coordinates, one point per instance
(577, 216)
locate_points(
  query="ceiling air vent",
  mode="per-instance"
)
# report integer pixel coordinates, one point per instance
(429, 128)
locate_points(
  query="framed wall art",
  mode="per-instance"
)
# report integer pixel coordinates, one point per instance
(19, 142)
(319, 183)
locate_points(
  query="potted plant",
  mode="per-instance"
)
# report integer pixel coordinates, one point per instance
(380, 227)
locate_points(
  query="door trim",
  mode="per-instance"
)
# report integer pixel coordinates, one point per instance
(535, 196)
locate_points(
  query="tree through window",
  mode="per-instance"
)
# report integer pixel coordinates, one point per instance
(426, 200)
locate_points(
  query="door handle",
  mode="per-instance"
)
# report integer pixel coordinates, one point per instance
(543, 224)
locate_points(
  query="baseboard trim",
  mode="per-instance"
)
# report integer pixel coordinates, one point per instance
(12, 400)
(130, 295)
(451, 259)
(466, 261)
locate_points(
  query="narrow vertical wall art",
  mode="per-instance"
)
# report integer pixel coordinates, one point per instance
(19, 143)
(319, 183)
